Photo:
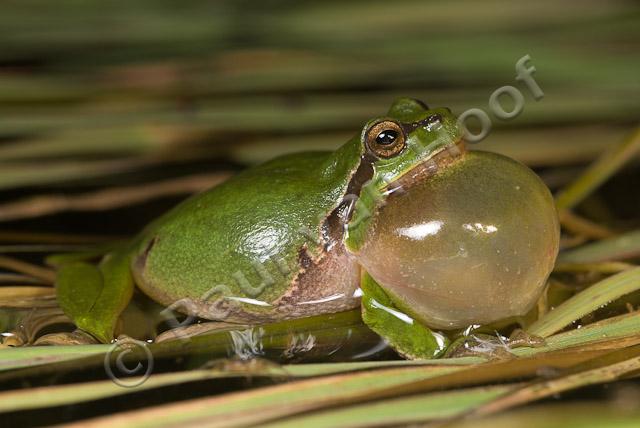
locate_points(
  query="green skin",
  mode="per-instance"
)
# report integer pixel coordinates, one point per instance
(272, 243)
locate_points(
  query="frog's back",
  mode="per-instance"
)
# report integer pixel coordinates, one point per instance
(250, 239)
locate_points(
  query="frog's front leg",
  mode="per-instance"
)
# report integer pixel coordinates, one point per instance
(404, 333)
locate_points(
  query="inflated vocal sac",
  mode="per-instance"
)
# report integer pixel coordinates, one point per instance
(472, 244)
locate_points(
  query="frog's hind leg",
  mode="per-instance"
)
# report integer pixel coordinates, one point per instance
(93, 296)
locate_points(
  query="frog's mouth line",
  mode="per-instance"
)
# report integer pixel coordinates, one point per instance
(335, 222)
(429, 167)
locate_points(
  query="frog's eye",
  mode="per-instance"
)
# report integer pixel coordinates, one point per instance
(385, 139)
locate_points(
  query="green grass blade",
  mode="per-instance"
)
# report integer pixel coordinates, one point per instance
(624, 246)
(586, 302)
(583, 414)
(420, 408)
(599, 172)
(561, 350)
(34, 398)
(15, 358)
(607, 370)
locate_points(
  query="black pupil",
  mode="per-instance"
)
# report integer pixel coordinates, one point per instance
(387, 137)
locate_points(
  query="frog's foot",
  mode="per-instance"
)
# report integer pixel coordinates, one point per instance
(520, 338)
(481, 345)
(493, 346)
(405, 334)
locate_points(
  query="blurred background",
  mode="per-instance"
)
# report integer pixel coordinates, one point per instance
(112, 111)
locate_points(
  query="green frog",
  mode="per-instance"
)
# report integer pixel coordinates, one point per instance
(401, 221)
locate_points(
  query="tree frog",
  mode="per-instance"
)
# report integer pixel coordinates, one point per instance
(401, 221)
